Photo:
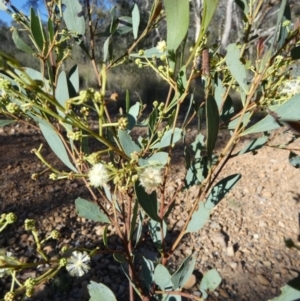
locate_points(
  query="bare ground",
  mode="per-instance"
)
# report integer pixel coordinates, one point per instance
(244, 240)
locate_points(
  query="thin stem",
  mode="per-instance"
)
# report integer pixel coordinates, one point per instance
(92, 37)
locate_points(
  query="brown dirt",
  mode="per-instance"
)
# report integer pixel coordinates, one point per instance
(244, 240)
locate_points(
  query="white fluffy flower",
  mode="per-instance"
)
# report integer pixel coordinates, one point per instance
(291, 87)
(78, 264)
(150, 178)
(99, 175)
(161, 46)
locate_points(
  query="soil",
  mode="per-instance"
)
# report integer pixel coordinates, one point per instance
(244, 240)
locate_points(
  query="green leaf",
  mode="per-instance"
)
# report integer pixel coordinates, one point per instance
(182, 275)
(148, 272)
(255, 144)
(243, 4)
(284, 30)
(74, 79)
(295, 53)
(37, 30)
(132, 115)
(168, 138)
(90, 211)
(138, 233)
(127, 100)
(35, 76)
(278, 23)
(119, 258)
(181, 80)
(219, 91)
(209, 9)
(114, 20)
(3, 6)
(210, 281)
(134, 218)
(125, 25)
(289, 110)
(197, 168)
(155, 232)
(62, 92)
(294, 159)
(228, 109)
(178, 19)
(127, 144)
(6, 122)
(147, 201)
(212, 119)
(135, 20)
(199, 218)
(162, 277)
(20, 44)
(159, 158)
(288, 293)
(73, 16)
(245, 120)
(100, 292)
(50, 30)
(55, 143)
(220, 190)
(106, 49)
(104, 237)
(236, 67)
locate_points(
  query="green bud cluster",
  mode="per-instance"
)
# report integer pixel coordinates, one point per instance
(85, 110)
(55, 234)
(10, 296)
(30, 282)
(29, 224)
(98, 97)
(93, 158)
(11, 218)
(63, 262)
(53, 176)
(76, 136)
(86, 95)
(13, 108)
(122, 123)
(4, 84)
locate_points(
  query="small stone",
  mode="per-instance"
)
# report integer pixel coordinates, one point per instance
(180, 224)
(223, 293)
(294, 273)
(191, 282)
(263, 280)
(262, 224)
(99, 230)
(219, 239)
(277, 275)
(267, 263)
(281, 224)
(215, 225)
(230, 251)
(233, 265)
(187, 252)
(255, 236)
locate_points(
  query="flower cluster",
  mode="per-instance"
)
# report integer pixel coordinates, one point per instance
(150, 178)
(291, 87)
(78, 264)
(99, 175)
